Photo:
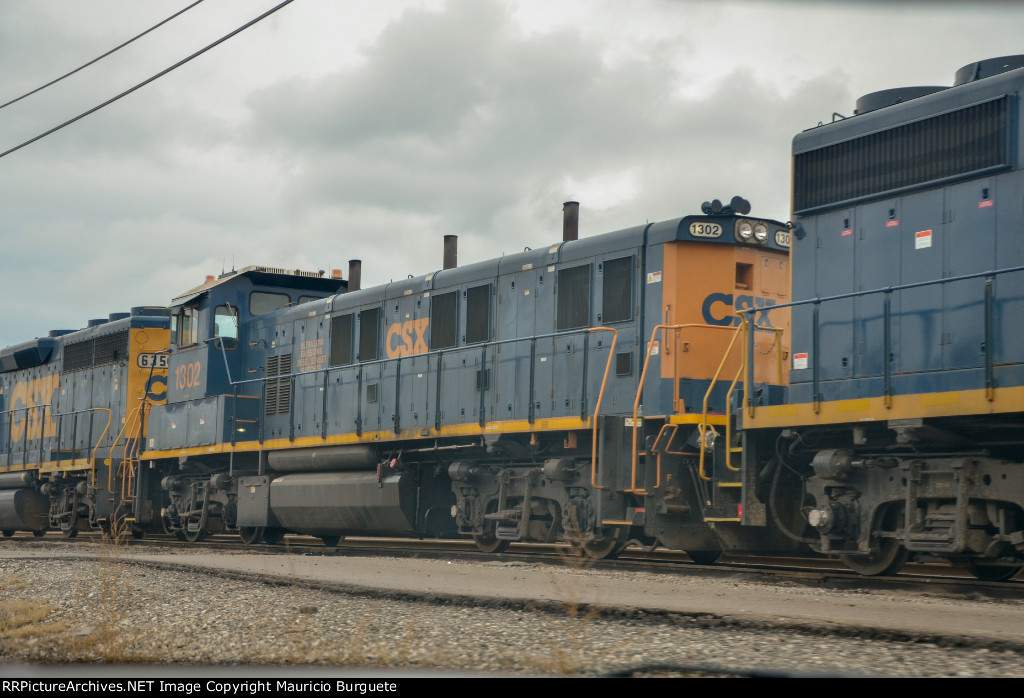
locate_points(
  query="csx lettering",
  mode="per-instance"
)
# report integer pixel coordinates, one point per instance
(27, 419)
(716, 306)
(187, 376)
(407, 338)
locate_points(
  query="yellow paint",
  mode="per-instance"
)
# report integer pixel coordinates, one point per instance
(718, 420)
(853, 405)
(940, 398)
(921, 405)
(37, 395)
(511, 426)
(407, 338)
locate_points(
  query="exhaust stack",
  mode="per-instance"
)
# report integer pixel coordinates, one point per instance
(355, 274)
(570, 221)
(451, 251)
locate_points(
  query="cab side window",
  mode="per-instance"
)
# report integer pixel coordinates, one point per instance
(188, 327)
(225, 325)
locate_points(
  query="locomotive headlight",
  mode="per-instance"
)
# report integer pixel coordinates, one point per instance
(760, 232)
(744, 229)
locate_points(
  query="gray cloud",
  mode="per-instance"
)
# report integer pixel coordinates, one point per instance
(474, 117)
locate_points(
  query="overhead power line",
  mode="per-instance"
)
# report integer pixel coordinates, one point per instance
(151, 79)
(98, 58)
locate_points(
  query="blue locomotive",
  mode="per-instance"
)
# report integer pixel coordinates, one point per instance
(557, 394)
(549, 395)
(902, 430)
(850, 383)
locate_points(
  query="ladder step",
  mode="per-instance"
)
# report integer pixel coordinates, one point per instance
(730, 484)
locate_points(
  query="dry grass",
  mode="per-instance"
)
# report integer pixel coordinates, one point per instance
(20, 618)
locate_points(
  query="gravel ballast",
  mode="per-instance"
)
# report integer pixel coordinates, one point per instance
(112, 606)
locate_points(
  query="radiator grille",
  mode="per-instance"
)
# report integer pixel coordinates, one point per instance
(77, 356)
(955, 144)
(279, 385)
(111, 348)
(99, 351)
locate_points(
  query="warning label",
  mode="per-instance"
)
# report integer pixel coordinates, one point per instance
(799, 361)
(922, 239)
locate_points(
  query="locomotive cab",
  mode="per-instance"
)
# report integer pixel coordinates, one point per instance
(211, 397)
(209, 325)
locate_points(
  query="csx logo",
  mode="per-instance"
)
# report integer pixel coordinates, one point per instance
(721, 308)
(156, 389)
(407, 338)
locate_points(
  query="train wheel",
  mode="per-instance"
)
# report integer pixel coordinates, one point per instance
(38, 534)
(993, 573)
(273, 536)
(8, 534)
(704, 557)
(332, 541)
(491, 544)
(138, 533)
(69, 532)
(608, 548)
(890, 556)
(889, 559)
(195, 536)
(251, 535)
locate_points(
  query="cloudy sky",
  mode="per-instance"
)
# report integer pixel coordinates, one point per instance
(341, 129)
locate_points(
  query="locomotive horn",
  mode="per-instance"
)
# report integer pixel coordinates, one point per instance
(570, 221)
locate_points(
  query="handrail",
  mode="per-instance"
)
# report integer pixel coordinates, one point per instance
(132, 423)
(361, 365)
(640, 391)
(886, 289)
(887, 390)
(597, 407)
(431, 353)
(743, 329)
(110, 416)
(703, 426)
(129, 420)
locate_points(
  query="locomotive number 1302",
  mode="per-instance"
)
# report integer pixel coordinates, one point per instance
(706, 230)
(187, 376)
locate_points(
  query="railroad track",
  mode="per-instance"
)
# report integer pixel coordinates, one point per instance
(935, 578)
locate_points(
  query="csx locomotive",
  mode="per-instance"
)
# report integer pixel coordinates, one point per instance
(901, 433)
(554, 394)
(660, 385)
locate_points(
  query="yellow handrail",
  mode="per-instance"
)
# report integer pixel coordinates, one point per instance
(133, 425)
(640, 390)
(597, 407)
(110, 416)
(127, 421)
(703, 426)
(743, 330)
